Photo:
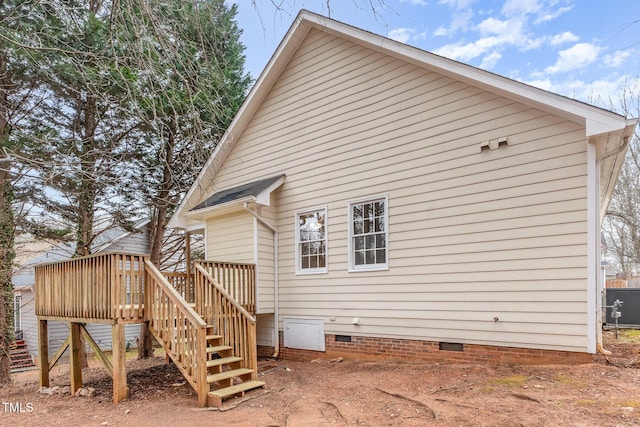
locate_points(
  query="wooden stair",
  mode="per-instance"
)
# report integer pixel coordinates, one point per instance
(225, 374)
(20, 356)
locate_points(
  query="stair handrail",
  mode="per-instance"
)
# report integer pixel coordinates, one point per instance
(178, 328)
(237, 278)
(228, 317)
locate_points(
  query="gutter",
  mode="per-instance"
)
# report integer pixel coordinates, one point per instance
(276, 274)
(599, 344)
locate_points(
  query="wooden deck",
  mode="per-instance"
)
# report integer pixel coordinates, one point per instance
(204, 320)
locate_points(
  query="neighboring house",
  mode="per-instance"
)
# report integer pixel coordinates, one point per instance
(25, 320)
(401, 204)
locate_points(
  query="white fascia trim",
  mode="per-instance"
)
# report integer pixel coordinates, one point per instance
(593, 245)
(256, 237)
(196, 226)
(264, 197)
(223, 206)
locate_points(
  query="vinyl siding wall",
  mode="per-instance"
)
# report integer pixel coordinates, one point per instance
(265, 264)
(473, 236)
(230, 238)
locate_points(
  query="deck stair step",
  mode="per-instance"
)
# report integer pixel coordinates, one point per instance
(20, 356)
(218, 348)
(213, 337)
(216, 396)
(228, 374)
(223, 361)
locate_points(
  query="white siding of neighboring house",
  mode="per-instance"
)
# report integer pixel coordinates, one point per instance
(473, 236)
(136, 243)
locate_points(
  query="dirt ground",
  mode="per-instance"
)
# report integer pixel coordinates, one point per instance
(361, 393)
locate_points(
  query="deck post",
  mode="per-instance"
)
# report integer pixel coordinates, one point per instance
(119, 362)
(75, 361)
(43, 351)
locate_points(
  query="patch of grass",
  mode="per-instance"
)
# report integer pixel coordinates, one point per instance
(512, 381)
(629, 336)
(629, 403)
(564, 379)
(485, 390)
(568, 380)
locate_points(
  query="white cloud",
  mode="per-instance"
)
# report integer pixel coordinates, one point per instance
(552, 14)
(461, 17)
(542, 10)
(617, 58)
(457, 4)
(566, 37)
(577, 56)
(601, 92)
(521, 7)
(468, 51)
(494, 26)
(441, 31)
(531, 44)
(489, 61)
(542, 84)
(401, 34)
(415, 2)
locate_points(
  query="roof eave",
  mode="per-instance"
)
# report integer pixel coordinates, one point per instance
(596, 120)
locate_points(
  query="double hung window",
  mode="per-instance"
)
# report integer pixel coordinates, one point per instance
(368, 234)
(311, 241)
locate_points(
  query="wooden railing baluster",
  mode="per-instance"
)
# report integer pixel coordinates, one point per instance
(229, 318)
(181, 330)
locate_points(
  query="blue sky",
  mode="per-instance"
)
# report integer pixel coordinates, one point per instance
(584, 49)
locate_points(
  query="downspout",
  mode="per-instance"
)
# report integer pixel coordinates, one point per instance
(276, 274)
(599, 344)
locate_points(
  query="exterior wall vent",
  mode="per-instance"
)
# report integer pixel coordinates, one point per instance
(494, 144)
(451, 346)
(343, 338)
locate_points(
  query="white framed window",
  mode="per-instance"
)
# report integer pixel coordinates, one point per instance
(369, 234)
(311, 241)
(17, 312)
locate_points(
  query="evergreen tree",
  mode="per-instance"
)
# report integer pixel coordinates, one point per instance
(190, 81)
(17, 83)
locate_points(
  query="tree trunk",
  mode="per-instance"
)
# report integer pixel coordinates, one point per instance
(87, 110)
(158, 228)
(7, 253)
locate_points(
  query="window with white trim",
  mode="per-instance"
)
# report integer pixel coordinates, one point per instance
(17, 313)
(368, 235)
(311, 241)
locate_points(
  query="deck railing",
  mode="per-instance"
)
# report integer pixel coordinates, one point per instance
(179, 328)
(239, 280)
(182, 284)
(99, 287)
(228, 318)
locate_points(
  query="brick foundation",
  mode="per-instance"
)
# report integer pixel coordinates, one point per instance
(427, 351)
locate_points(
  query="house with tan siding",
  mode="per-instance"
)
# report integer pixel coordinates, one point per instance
(401, 204)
